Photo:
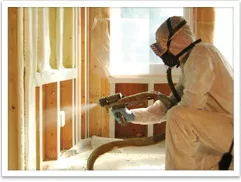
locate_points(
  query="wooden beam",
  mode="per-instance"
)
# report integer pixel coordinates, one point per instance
(105, 119)
(78, 78)
(98, 60)
(38, 149)
(44, 123)
(13, 109)
(21, 125)
(50, 115)
(66, 106)
(82, 72)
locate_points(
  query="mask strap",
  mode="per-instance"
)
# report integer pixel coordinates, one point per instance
(173, 31)
(188, 47)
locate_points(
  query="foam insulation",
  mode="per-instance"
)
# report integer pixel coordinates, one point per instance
(29, 92)
(55, 26)
(100, 40)
(21, 144)
(132, 158)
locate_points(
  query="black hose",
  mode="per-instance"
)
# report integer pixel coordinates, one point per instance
(226, 159)
(170, 83)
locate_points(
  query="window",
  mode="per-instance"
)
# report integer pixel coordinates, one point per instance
(132, 31)
(223, 33)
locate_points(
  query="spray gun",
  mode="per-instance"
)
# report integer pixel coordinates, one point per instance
(118, 101)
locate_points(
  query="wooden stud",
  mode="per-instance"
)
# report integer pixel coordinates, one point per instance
(13, 110)
(74, 51)
(38, 128)
(78, 78)
(87, 70)
(51, 121)
(105, 119)
(44, 123)
(82, 73)
(58, 119)
(97, 75)
(66, 106)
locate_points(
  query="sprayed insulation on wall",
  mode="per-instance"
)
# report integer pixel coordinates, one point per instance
(46, 53)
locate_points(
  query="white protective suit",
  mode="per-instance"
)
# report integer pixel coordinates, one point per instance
(199, 129)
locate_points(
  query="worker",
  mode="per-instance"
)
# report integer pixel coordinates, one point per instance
(199, 116)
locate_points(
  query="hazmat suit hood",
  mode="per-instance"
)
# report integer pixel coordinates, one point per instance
(180, 37)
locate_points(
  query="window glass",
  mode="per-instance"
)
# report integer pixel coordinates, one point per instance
(132, 33)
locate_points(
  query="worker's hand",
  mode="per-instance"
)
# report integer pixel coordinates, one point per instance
(123, 115)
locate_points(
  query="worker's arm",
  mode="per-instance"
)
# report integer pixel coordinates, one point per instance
(156, 113)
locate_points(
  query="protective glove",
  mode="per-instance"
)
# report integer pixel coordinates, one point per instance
(123, 115)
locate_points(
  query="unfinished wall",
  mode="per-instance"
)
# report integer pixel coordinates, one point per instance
(58, 96)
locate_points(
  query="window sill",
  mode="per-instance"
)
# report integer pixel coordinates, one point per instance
(156, 73)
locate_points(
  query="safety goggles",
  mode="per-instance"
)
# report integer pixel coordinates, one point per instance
(159, 48)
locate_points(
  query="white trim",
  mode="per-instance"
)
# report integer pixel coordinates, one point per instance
(142, 79)
(150, 127)
(112, 119)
